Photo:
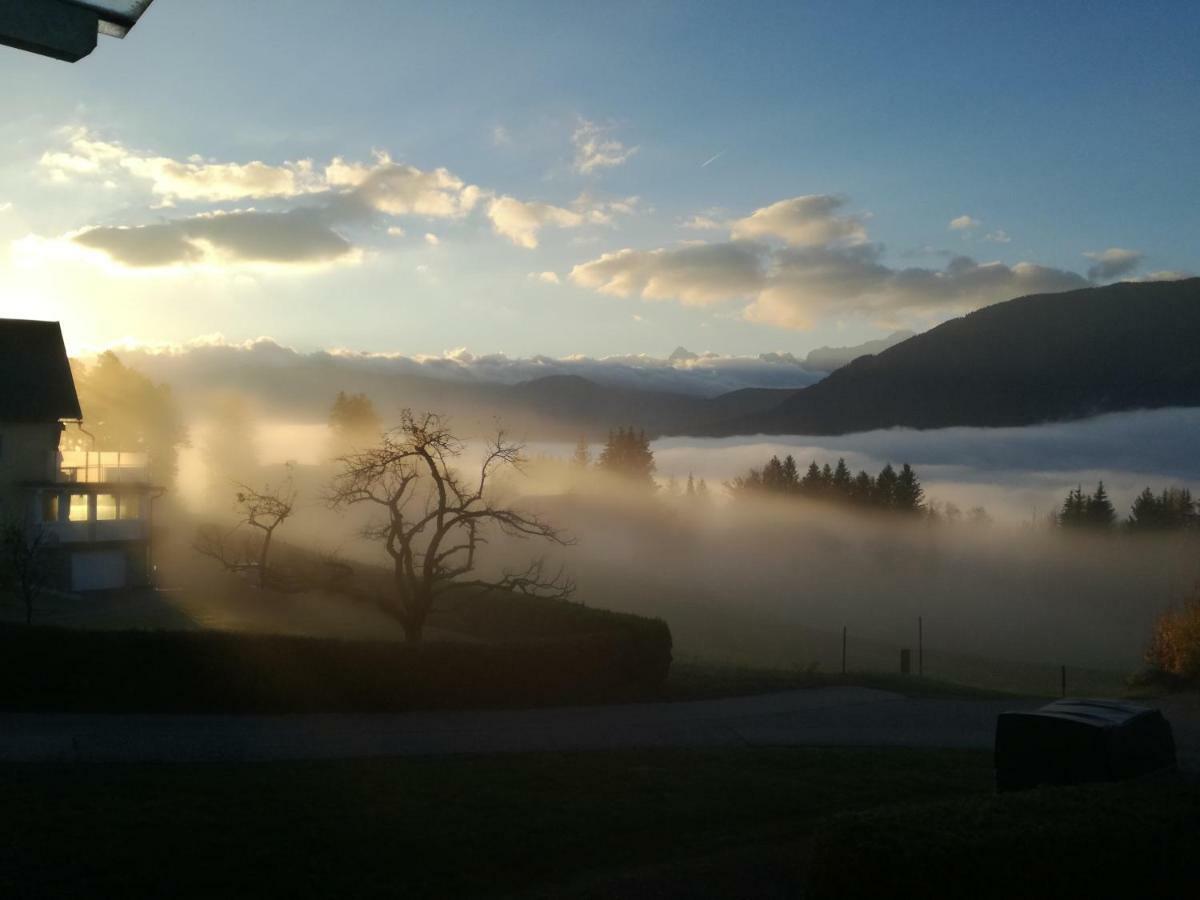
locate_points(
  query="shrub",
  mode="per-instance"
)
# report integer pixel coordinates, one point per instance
(1175, 644)
(45, 668)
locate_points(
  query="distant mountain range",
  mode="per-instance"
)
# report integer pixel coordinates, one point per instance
(1042, 358)
(1035, 359)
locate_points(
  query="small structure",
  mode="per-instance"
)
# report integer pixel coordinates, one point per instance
(1081, 741)
(92, 509)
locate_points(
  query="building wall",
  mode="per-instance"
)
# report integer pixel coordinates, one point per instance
(27, 453)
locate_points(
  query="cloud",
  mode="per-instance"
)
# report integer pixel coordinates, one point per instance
(805, 221)
(545, 277)
(999, 236)
(964, 223)
(520, 221)
(594, 149)
(695, 275)
(395, 231)
(828, 267)
(300, 236)
(1112, 263)
(501, 136)
(702, 222)
(432, 239)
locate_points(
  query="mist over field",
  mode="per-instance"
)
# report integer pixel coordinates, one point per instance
(774, 582)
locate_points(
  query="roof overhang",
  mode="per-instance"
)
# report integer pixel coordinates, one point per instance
(66, 29)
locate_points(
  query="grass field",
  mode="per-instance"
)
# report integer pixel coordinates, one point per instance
(574, 824)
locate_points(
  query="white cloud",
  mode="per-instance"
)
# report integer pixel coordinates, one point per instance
(545, 277)
(594, 149)
(501, 137)
(431, 239)
(520, 221)
(964, 223)
(1112, 263)
(695, 275)
(829, 268)
(700, 222)
(805, 221)
(395, 231)
(999, 236)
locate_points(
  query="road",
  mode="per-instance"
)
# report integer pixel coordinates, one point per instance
(839, 716)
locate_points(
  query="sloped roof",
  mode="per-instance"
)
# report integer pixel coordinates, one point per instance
(35, 376)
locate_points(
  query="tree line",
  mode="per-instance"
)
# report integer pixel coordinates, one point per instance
(1171, 509)
(890, 490)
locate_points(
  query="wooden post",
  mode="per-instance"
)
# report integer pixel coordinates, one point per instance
(1064, 681)
(920, 645)
(843, 649)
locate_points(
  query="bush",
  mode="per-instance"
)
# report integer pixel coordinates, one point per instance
(1175, 644)
(44, 668)
(1131, 839)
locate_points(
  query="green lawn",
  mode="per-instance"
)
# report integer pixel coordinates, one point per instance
(587, 824)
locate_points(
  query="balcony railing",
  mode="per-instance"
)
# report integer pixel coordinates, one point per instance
(106, 466)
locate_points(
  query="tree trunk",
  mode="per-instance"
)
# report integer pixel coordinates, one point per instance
(262, 559)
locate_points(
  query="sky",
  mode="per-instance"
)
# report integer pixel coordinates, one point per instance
(603, 180)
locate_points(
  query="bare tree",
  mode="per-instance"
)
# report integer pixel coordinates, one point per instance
(262, 509)
(23, 562)
(434, 518)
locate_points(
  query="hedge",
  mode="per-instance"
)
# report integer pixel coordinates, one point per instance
(47, 668)
(1132, 839)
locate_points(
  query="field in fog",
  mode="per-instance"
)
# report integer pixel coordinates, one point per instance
(774, 582)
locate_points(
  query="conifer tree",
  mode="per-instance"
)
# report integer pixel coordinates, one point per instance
(907, 493)
(885, 487)
(1099, 511)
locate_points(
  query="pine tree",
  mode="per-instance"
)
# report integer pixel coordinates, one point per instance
(885, 487)
(907, 493)
(810, 484)
(628, 455)
(690, 490)
(791, 474)
(1099, 510)
(841, 479)
(582, 457)
(862, 489)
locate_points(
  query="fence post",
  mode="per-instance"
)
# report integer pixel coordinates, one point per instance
(920, 645)
(1064, 681)
(843, 649)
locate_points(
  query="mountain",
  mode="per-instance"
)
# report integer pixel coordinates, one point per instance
(1041, 358)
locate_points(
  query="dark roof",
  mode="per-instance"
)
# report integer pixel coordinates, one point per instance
(35, 375)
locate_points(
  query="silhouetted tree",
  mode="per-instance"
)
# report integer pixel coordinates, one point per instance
(841, 479)
(1100, 511)
(862, 489)
(434, 518)
(907, 493)
(1073, 513)
(1172, 509)
(24, 563)
(125, 410)
(261, 509)
(582, 457)
(353, 420)
(885, 488)
(628, 455)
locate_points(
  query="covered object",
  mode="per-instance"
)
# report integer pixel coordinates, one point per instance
(1079, 741)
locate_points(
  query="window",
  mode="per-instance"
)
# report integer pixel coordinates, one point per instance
(49, 507)
(106, 507)
(78, 510)
(130, 506)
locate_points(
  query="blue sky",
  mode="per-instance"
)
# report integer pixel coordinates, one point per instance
(847, 138)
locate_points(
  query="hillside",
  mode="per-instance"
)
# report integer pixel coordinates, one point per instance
(1041, 358)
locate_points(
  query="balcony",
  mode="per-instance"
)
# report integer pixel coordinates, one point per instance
(102, 467)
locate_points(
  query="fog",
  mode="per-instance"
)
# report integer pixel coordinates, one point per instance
(774, 582)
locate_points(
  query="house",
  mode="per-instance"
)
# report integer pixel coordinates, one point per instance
(92, 509)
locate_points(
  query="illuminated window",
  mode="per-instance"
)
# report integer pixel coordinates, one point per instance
(106, 507)
(78, 510)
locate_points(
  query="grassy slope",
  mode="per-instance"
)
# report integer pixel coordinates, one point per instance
(573, 823)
